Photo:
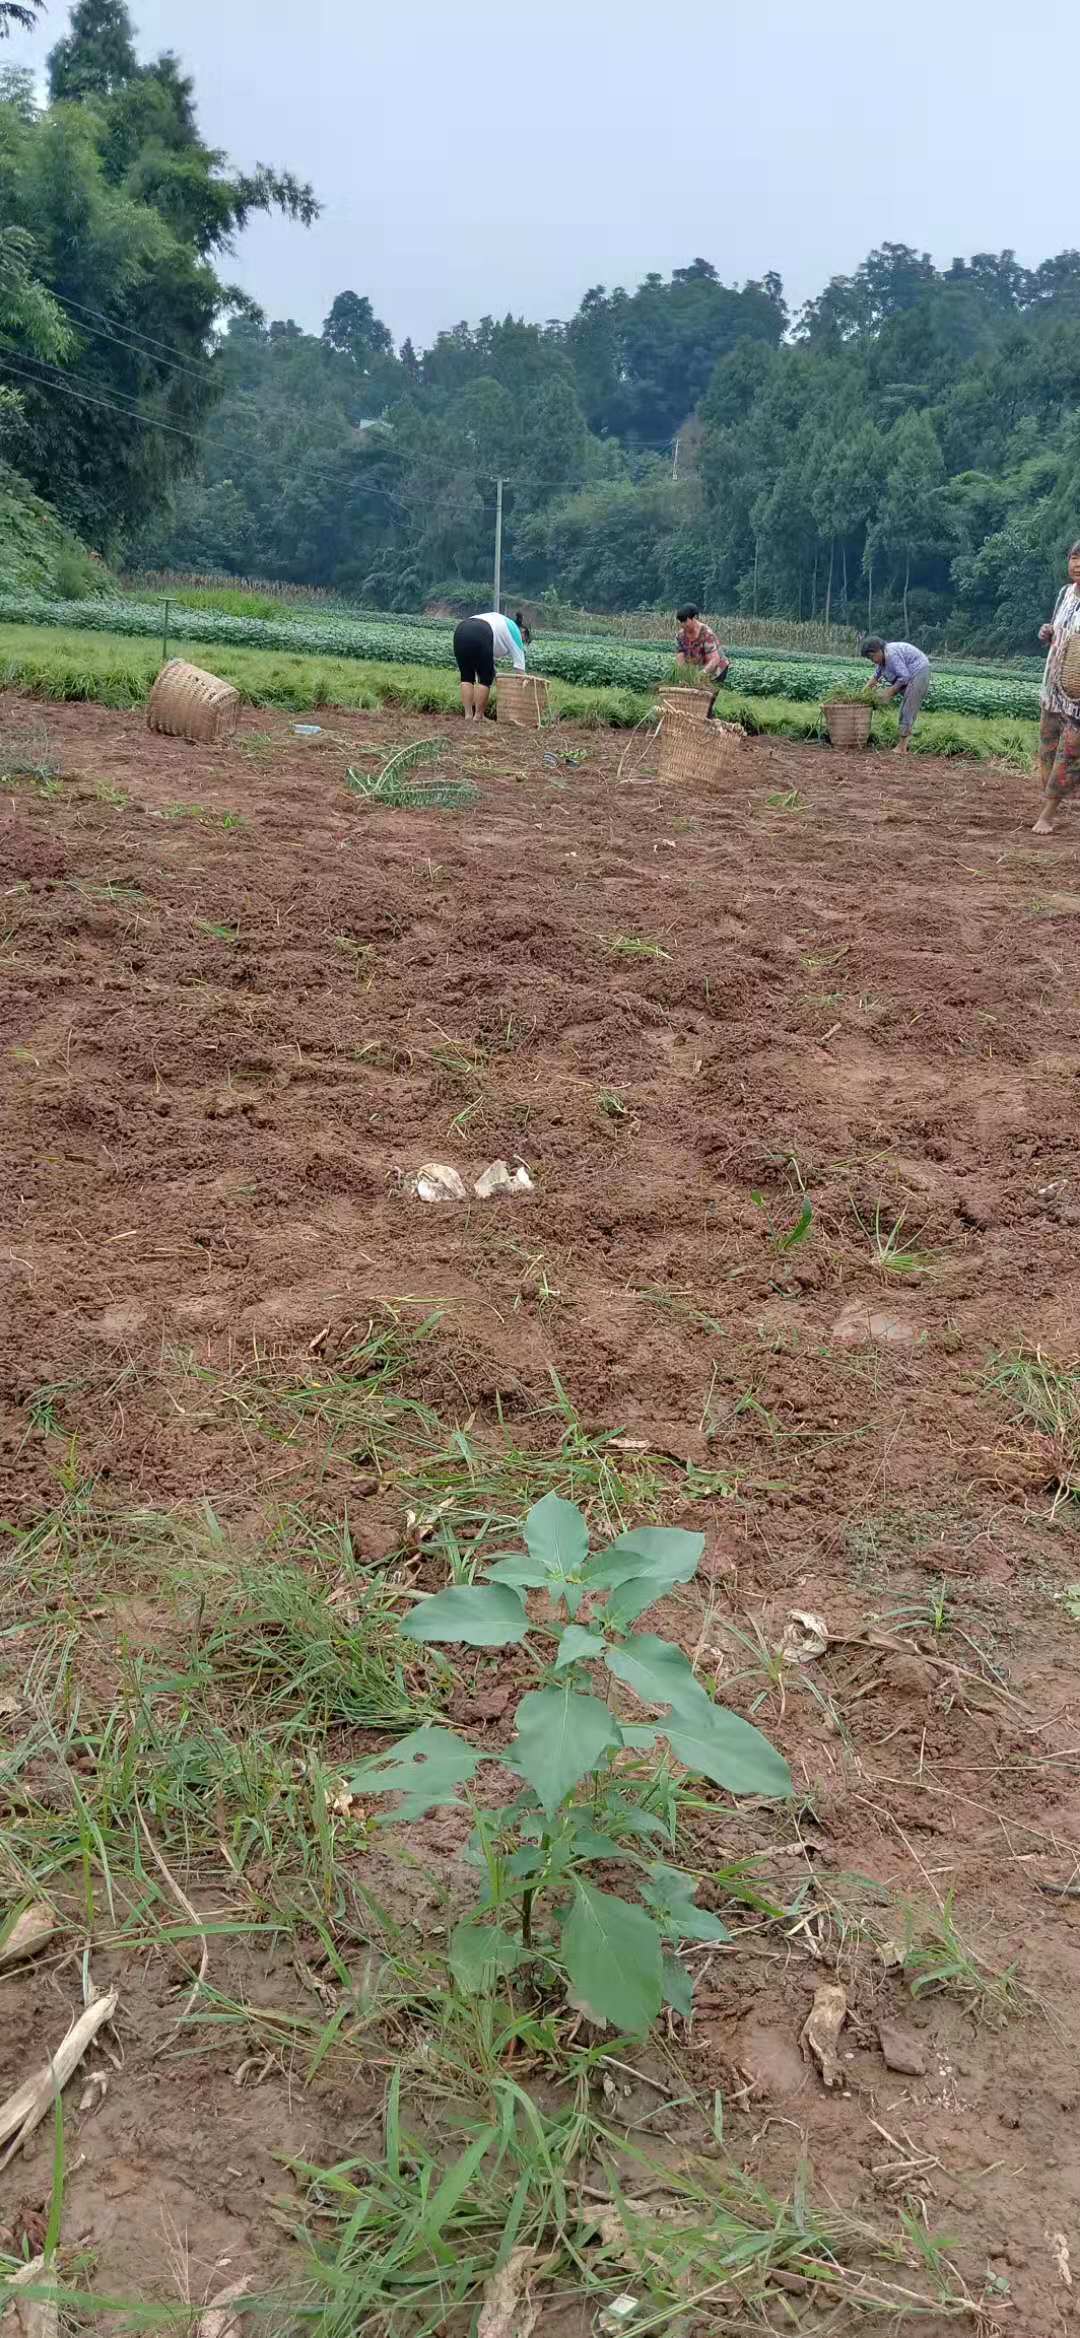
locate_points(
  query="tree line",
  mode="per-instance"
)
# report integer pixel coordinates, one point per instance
(903, 453)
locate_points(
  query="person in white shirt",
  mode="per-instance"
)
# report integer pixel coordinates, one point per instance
(480, 644)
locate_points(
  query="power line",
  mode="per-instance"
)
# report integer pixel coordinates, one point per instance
(138, 344)
(110, 406)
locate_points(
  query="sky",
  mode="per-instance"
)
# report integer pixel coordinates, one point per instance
(486, 160)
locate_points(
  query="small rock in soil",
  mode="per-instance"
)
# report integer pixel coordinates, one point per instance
(436, 1182)
(902, 2049)
(857, 1323)
(498, 1178)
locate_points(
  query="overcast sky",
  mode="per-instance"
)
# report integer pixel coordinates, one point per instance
(494, 158)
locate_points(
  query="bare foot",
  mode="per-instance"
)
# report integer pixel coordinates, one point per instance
(1043, 826)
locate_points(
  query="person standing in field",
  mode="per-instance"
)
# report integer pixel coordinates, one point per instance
(480, 643)
(902, 672)
(1059, 720)
(696, 645)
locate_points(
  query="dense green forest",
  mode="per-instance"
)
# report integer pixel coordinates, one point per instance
(905, 450)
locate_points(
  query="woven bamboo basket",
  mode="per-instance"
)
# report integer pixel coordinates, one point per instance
(678, 700)
(1070, 667)
(694, 751)
(187, 703)
(522, 700)
(848, 725)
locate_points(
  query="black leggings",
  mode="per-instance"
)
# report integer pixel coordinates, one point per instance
(474, 649)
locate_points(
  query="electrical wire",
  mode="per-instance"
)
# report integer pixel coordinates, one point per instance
(138, 344)
(86, 398)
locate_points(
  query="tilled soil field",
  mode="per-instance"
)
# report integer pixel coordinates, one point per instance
(794, 1069)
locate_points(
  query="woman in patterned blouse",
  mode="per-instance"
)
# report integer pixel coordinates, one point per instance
(696, 645)
(1059, 726)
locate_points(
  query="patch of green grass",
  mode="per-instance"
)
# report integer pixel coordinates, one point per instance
(634, 946)
(203, 814)
(117, 670)
(889, 1252)
(937, 1958)
(1045, 1396)
(984, 738)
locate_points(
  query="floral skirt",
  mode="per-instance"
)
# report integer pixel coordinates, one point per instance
(1059, 754)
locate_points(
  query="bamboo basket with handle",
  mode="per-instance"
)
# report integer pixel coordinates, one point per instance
(522, 700)
(695, 752)
(187, 703)
(1070, 665)
(848, 725)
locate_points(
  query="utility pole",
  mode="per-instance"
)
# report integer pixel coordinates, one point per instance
(497, 603)
(675, 461)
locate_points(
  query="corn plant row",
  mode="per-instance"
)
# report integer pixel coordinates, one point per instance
(579, 660)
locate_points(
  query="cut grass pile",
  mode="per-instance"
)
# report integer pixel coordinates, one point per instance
(115, 670)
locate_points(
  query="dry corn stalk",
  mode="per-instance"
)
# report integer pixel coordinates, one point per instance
(25, 2109)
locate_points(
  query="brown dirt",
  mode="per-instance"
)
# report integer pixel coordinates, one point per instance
(223, 1047)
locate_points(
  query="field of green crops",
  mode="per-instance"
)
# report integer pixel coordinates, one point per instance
(578, 660)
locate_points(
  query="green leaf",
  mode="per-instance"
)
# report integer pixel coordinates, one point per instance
(726, 1749)
(426, 1768)
(518, 1568)
(656, 1670)
(458, 2180)
(484, 1615)
(577, 1644)
(677, 1986)
(560, 1738)
(640, 1567)
(799, 1231)
(558, 1537)
(589, 1835)
(589, 1845)
(479, 1954)
(611, 1951)
(664, 1552)
(526, 1861)
(670, 1895)
(616, 1811)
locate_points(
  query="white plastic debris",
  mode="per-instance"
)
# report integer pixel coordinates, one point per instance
(499, 1178)
(806, 1636)
(436, 1181)
(619, 2314)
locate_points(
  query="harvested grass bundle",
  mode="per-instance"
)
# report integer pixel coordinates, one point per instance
(676, 698)
(391, 785)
